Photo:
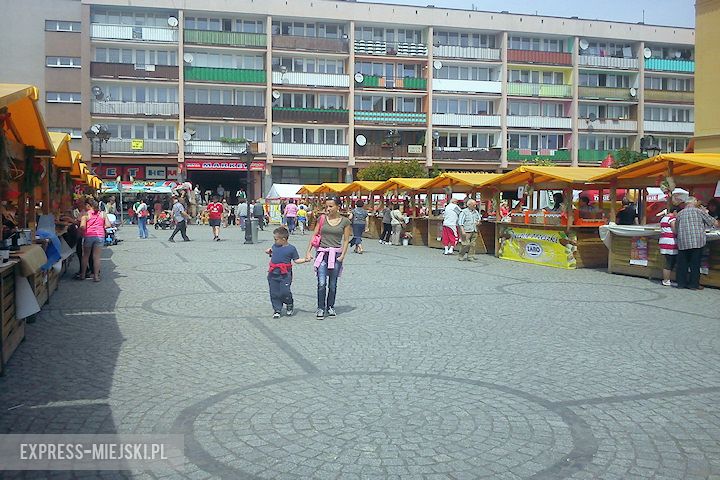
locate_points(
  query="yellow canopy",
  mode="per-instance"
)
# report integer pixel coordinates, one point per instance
(90, 179)
(81, 172)
(412, 184)
(461, 182)
(547, 177)
(25, 124)
(63, 156)
(309, 189)
(332, 188)
(645, 172)
(363, 186)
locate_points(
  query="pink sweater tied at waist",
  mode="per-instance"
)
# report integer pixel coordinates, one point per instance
(331, 253)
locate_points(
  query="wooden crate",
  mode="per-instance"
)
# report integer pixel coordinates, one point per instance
(419, 229)
(40, 286)
(12, 330)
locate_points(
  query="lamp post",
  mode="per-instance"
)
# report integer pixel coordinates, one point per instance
(649, 147)
(119, 185)
(248, 157)
(102, 134)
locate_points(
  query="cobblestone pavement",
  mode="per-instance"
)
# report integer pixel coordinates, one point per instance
(433, 368)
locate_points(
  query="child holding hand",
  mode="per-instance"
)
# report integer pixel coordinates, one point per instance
(282, 256)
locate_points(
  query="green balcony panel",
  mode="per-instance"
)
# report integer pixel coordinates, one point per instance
(606, 93)
(539, 90)
(370, 81)
(558, 156)
(670, 65)
(594, 156)
(390, 117)
(224, 75)
(233, 39)
(415, 83)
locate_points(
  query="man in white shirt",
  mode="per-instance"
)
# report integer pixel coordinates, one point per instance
(468, 222)
(451, 216)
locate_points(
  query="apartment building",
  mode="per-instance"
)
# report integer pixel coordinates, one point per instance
(322, 88)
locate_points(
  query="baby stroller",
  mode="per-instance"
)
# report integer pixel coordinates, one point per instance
(164, 220)
(111, 231)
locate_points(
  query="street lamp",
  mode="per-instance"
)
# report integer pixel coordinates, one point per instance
(248, 156)
(392, 138)
(102, 134)
(649, 146)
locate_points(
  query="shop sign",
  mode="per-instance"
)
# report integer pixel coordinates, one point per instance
(155, 173)
(137, 144)
(228, 166)
(135, 172)
(414, 149)
(552, 248)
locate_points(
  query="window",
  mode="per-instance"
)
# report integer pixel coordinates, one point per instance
(537, 44)
(463, 73)
(672, 53)
(462, 106)
(216, 60)
(464, 39)
(533, 76)
(536, 142)
(670, 84)
(63, 97)
(604, 80)
(302, 29)
(75, 133)
(602, 142)
(670, 114)
(64, 62)
(608, 49)
(61, 26)
(670, 144)
(465, 140)
(388, 35)
(327, 136)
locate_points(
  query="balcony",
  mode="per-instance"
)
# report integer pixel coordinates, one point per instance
(310, 150)
(514, 121)
(670, 127)
(409, 83)
(311, 79)
(390, 49)
(460, 120)
(230, 112)
(225, 39)
(135, 33)
(608, 62)
(670, 65)
(533, 56)
(214, 147)
(474, 53)
(605, 124)
(130, 71)
(467, 154)
(594, 156)
(135, 108)
(310, 44)
(606, 93)
(310, 115)
(522, 154)
(472, 86)
(142, 147)
(539, 90)
(386, 118)
(224, 75)
(669, 96)
(398, 152)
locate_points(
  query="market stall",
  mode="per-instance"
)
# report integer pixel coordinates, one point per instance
(549, 232)
(406, 191)
(633, 249)
(360, 187)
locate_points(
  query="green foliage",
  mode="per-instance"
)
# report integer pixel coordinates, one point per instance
(435, 172)
(625, 157)
(381, 171)
(232, 140)
(539, 162)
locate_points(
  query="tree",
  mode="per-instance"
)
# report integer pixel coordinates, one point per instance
(539, 162)
(625, 157)
(381, 171)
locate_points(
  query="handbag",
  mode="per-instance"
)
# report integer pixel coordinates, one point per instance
(315, 242)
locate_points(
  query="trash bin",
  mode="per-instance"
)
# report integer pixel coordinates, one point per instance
(254, 229)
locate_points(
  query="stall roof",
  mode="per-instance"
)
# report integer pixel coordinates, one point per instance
(332, 188)
(309, 189)
(466, 180)
(363, 186)
(403, 184)
(63, 156)
(283, 190)
(25, 124)
(139, 186)
(684, 165)
(79, 170)
(541, 175)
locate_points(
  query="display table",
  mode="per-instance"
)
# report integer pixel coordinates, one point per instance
(418, 227)
(12, 330)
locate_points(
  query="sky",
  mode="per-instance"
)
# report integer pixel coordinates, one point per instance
(679, 13)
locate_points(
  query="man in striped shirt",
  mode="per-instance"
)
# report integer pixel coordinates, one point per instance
(468, 224)
(691, 239)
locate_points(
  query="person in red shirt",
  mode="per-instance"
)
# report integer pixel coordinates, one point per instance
(215, 211)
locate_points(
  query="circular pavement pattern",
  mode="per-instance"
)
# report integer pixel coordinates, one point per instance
(378, 424)
(180, 267)
(580, 292)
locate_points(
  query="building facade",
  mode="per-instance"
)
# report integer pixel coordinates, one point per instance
(322, 88)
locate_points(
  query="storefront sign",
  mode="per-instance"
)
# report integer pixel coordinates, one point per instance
(231, 166)
(155, 173)
(414, 149)
(137, 144)
(552, 248)
(639, 251)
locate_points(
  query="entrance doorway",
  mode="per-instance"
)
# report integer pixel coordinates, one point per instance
(210, 179)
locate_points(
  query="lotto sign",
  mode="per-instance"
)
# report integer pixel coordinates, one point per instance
(553, 248)
(137, 144)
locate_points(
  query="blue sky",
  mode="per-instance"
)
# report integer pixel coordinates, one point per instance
(679, 13)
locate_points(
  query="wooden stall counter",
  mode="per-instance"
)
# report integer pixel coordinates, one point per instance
(418, 227)
(12, 329)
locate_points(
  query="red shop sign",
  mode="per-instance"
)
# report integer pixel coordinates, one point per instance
(215, 165)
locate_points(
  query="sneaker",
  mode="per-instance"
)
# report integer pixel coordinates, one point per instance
(667, 283)
(461, 257)
(290, 311)
(331, 312)
(320, 314)
(276, 315)
(380, 242)
(171, 240)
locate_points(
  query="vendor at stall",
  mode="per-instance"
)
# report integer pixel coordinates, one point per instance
(586, 210)
(557, 202)
(628, 214)
(713, 208)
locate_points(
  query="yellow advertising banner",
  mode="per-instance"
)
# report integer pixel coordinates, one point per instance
(552, 248)
(137, 144)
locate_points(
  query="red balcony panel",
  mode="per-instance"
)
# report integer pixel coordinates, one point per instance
(532, 56)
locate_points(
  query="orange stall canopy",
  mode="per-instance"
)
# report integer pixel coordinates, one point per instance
(686, 168)
(309, 189)
(25, 124)
(63, 156)
(547, 177)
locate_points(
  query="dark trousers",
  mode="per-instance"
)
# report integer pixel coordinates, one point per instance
(280, 290)
(261, 221)
(180, 227)
(387, 231)
(688, 259)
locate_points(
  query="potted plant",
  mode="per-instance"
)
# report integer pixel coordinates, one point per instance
(406, 238)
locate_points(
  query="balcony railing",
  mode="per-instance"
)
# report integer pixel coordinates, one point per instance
(128, 70)
(605, 124)
(311, 44)
(669, 96)
(594, 156)
(229, 39)
(224, 75)
(459, 120)
(310, 115)
(135, 108)
(538, 122)
(475, 53)
(136, 33)
(311, 79)
(533, 56)
(670, 65)
(607, 93)
(383, 118)
(142, 146)
(672, 127)
(467, 154)
(400, 49)
(539, 90)
(235, 112)
(612, 62)
(310, 150)
(214, 147)
(521, 154)
(473, 86)
(409, 83)
(390, 152)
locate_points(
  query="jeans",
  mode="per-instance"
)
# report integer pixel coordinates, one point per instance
(142, 227)
(387, 230)
(261, 221)
(243, 219)
(291, 222)
(327, 284)
(180, 227)
(357, 229)
(280, 290)
(688, 259)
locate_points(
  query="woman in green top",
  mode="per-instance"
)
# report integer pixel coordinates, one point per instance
(335, 235)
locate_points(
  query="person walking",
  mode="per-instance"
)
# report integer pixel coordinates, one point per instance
(231, 217)
(387, 224)
(359, 219)
(225, 213)
(92, 226)
(215, 212)
(142, 213)
(242, 211)
(290, 212)
(282, 256)
(259, 212)
(396, 223)
(451, 216)
(668, 245)
(157, 209)
(180, 216)
(468, 222)
(334, 232)
(691, 239)
(302, 218)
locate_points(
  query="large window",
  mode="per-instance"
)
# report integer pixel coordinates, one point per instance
(150, 131)
(309, 65)
(669, 114)
(227, 60)
(608, 49)
(125, 17)
(536, 142)
(604, 80)
(452, 72)
(303, 29)
(311, 100)
(535, 109)
(462, 106)
(75, 133)
(304, 176)
(61, 26)
(63, 62)
(388, 70)
(616, 112)
(672, 144)
(140, 93)
(218, 96)
(216, 131)
(535, 76)
(225, 24)
(378, 34)
(602, 142)
(465, 140)
(135, 56)
(325, 136)
(63, 97)
(461, 39)
(672, 53)
(378, 103)
(537, 44)
(670, 84)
